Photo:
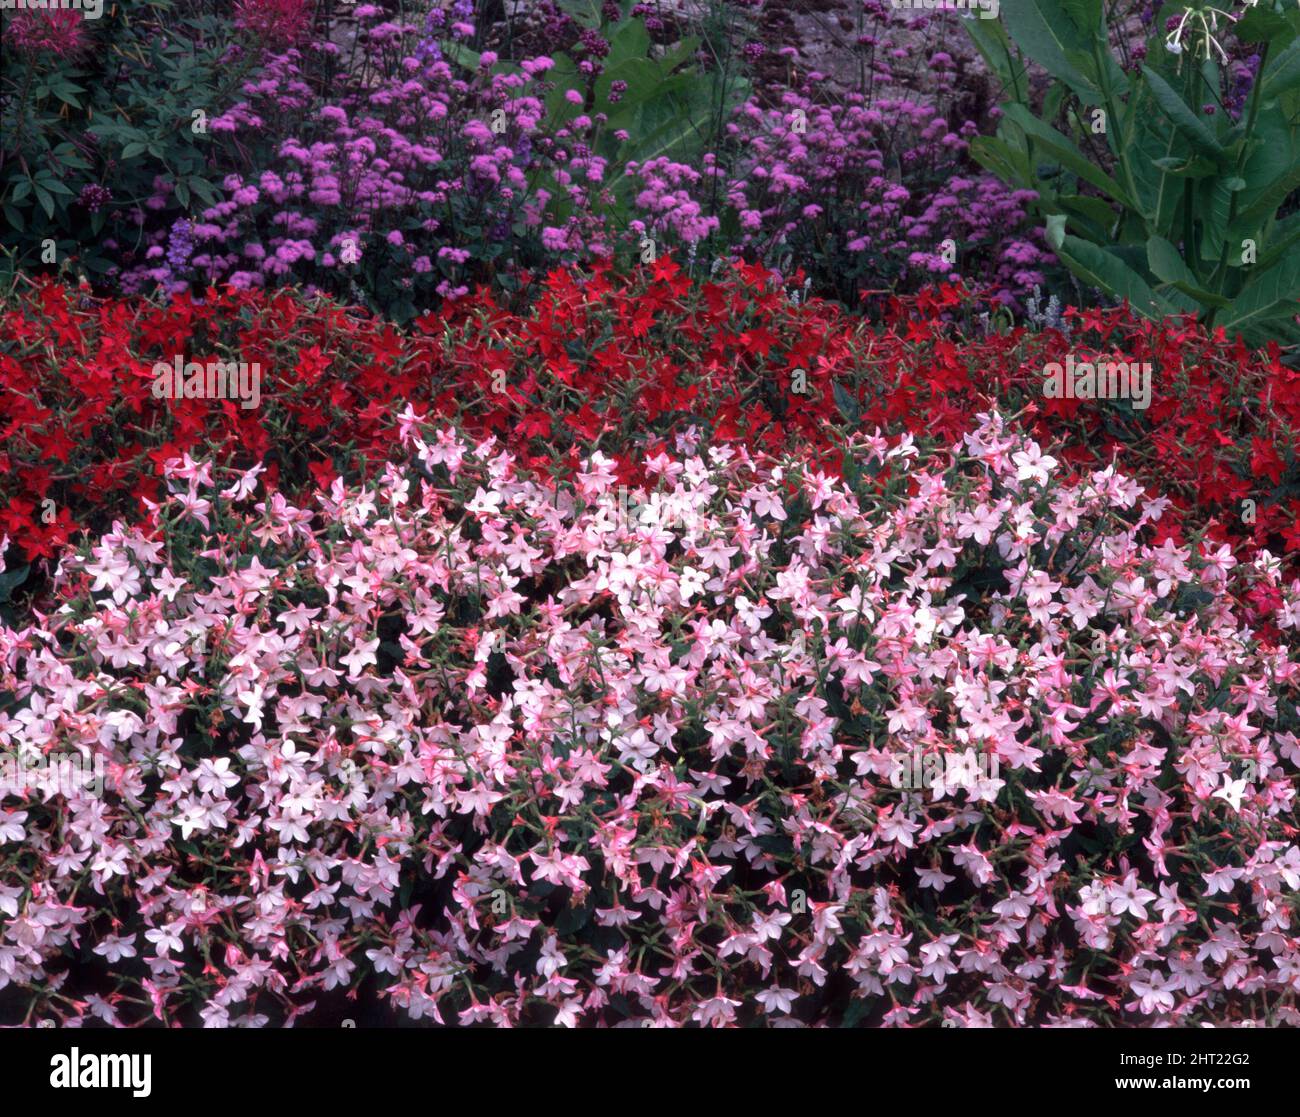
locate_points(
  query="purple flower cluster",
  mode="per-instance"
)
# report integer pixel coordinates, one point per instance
(888, 179)
(1242, 74)
(180, 245)
(416, 173)
(94, 197)
(410, 169)
(427, 50)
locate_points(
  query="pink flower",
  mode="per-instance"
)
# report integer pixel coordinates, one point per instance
(278, 23)
(60, 31)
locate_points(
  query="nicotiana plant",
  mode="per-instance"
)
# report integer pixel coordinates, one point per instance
(1167, 172)
(464, 744)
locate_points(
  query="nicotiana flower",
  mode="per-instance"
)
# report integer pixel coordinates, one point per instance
(467, 733)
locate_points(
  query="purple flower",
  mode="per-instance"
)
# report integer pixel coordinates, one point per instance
(94, 197)
(180, 245)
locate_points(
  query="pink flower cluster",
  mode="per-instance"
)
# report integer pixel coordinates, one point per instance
(278, 23)
(58, 31)
(524, 751)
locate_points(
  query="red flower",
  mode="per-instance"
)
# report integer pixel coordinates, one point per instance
(1264, 460)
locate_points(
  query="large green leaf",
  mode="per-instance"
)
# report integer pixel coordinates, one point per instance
(1260, 25)
(1274, 294)
(1189, 125)
(1086, 15)
(1110, 274)
(1096, 212)
(461, 54)
(1283, 72)
(1166, 262)
(631, 40)
(642, 77)
(1275, 154)
(990, 39)
(1157, 151)
(11, 579)
(1008, 163)
(1213, 208)
(1063, 149)
(1265, 203)
(1283, 236)
(1168, 265)
(1045, 32)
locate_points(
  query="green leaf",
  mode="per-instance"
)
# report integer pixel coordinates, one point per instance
(1084, 14)
(134, 148)
(1274, 155)
(1110, 274)
(998, 156)
(204, 190)
(858, 1008)
(1202, 296)
(67, 96)
(1043, 30)
(1274, 294)
(1213, 208)
(45, 199)
(847, 404)
(10, 580)
(52, 185)
(1283, 72)
(683, 52)
(1066, 153)
(1189, 125)
(1283, 236)
(990, 39)
(643, 79)
(1155, 140)
(1184, 167)
(631, 40)
(1166, 263)
(461, 54)
(571, 919)
(1259, 25)
(1096, 210)
(1266, 202)
(1055, 234)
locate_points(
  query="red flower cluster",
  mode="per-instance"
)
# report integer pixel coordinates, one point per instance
(625, 363)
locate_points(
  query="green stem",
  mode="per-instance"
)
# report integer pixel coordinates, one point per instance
(1217, 279)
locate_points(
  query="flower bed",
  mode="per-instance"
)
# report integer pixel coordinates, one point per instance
(626, 359)
(489, 750)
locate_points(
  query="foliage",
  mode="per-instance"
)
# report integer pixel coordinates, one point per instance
(98, 141)
(1154, 189)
